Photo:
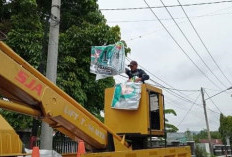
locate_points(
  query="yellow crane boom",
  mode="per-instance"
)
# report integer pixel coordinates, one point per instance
(26, 91)
(31, 93)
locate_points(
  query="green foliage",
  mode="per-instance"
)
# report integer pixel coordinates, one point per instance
(170, 127)
(17, 121)
(26, 33)
(200, 152)
(203, 134)
(215, 135)
(81, 26)
(76, 12)
(225, 126)
(5, 16)
(189, 135)
(74, 62)
(24, 36)
(170, 111)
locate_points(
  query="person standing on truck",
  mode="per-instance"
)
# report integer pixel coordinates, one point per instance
(135, 74)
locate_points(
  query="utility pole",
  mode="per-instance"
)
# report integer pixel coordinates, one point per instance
(206, 120)
(51, 70)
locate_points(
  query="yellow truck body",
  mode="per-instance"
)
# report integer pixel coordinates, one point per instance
(134, 121)
(158, 152)
(29, 92)
(9, 139)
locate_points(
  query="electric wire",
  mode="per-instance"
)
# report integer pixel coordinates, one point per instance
(193, 112)
(208, 14)
(180, 46)
(218, 93)
(172, 88)
(167, 19)
(170, 101)
(169, 6)
(204, 43)
(174, 93)
(198, 105)
(193, 103)
(192, 44)
(179, 96)
(213, 102)
(175, 101)
(188, 111)
(183, 98)
(169, 90)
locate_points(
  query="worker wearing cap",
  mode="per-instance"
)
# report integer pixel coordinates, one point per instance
(135, 74)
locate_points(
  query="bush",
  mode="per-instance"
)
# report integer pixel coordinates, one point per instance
(200, 152)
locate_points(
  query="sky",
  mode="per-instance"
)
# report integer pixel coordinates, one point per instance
(176, 64)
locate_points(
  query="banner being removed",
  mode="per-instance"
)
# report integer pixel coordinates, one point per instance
(108, 60)
(127, 96)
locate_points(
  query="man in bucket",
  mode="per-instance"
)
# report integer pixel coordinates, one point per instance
(135, 74)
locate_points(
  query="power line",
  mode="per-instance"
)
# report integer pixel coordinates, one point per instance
(213, 102)
(203, 43)
(219, 93)
(179, 90)
(191, 44)
(182, 90)
(169, 90)
(180, 46)
(166, 19)
(208, 14)
(188, 110)
(174, 93)
(189, 101)
(185, 99)
(172, 88)
(170, 101)
(169, 6)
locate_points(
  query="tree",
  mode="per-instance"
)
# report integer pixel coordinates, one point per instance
(170, 127)
(17, 121)
(24, 30)
(82, 26)
(203, 134)
(5, 16)
(200, 152)
(225, 126)
(189, 135)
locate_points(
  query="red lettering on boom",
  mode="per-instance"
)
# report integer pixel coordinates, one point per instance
(30, 84)
(24, 79)
(38, 88)
(21, 77)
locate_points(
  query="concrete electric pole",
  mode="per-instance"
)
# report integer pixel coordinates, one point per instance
(206, 120)
(51, 70)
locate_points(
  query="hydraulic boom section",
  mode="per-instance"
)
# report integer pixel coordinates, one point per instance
(29, 92)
